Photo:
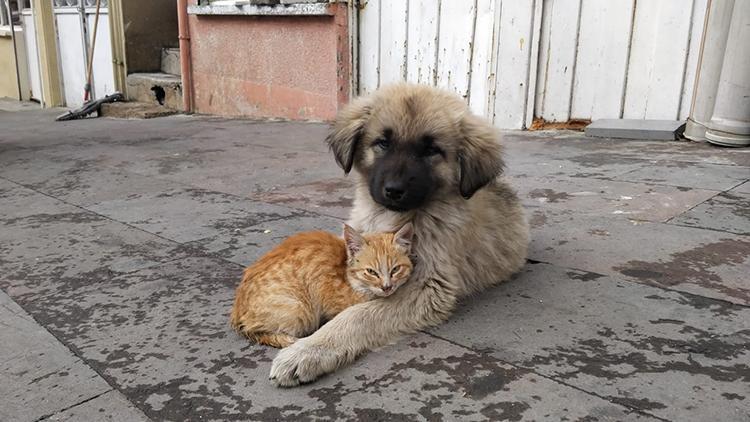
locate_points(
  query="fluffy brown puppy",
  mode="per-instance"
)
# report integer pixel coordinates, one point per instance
(418, 155)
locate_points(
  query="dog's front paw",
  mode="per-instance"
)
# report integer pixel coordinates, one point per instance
(301, 363)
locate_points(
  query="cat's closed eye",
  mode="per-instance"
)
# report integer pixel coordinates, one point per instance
(371, 272)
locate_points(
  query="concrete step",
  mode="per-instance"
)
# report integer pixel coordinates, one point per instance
(170, 61)
(155, 88)
(135, 110)
(666, 130)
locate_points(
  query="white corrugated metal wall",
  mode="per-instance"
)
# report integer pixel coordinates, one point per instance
(514, 60)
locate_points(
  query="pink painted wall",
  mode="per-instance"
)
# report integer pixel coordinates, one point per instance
(294, 67)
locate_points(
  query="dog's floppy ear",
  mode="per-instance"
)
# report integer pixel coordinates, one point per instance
(348, 129)
(479, 156)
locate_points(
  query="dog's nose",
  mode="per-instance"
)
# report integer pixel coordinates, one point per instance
(394, 191)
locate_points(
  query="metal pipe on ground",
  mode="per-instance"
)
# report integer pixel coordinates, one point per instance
(185, 70)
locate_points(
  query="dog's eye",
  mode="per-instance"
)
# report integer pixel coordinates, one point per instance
(382, 143)
(432, 150)
(372, 272)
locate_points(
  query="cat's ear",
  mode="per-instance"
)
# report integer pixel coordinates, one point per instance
(404, 236)
(354, 241)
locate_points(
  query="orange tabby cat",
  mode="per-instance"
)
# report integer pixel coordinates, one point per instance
(310, 277)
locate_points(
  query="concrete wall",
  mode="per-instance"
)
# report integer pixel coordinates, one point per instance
(8, 83)
(294, 67)
(149, 25)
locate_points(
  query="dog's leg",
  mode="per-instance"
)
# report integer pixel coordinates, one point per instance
(361, 328)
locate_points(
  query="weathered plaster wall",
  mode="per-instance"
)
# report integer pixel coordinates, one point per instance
(294, 67)
(149, 26)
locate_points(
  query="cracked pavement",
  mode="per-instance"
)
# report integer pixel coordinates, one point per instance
(121, 243)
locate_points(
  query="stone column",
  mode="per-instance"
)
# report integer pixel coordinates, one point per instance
(730, 122)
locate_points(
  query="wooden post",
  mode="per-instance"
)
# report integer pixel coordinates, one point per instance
(117, 37)
(46, 38)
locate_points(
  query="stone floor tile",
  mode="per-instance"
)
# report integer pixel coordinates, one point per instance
(743, 188)
(109, 407)
(705, 262)
(245, 245)
(188, 214)
(591, 196)
(40, 376)
(332, 197)
(729, 212)
(161, 335)
(674, 355)
(690, 175)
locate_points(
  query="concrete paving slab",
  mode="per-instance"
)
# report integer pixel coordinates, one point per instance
(150, 313)
(188, 214)
(665, 130)
(155, 156)
(18, 201)
(704, 262)
(109, 407)
(40, 375)
(161, 335)
(592, 196)
(574, 144)
(306, 137)
(235, 168)
(729, 212)
(743, 188)
(331, 197)
(245, 245)
(257, 174)
(691, 175)
(554, 167)
(46, 244)
(82, 182)
(677, 356)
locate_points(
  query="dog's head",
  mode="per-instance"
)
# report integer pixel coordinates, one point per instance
(413, 144)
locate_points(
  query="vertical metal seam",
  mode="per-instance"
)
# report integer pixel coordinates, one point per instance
(685, 62)
(551, 9)
(406, 42)
(380, 36)
(627, 59)
(700, 58)
(494, 62)
(356, 51)
(575, 61)
(528, 65)
(437, 43)
(472, 43)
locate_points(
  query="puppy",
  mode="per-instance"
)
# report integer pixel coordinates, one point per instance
(418, 155)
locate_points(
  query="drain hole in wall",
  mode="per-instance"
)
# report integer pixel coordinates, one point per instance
(159, 94)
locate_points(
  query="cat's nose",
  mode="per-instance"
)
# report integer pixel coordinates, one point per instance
(387, 288)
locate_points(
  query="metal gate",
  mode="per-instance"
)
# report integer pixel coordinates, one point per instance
(74, 20)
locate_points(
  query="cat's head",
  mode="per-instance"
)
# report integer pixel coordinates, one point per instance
(378, 263)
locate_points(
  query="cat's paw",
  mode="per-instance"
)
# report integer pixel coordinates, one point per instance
(301, 363)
